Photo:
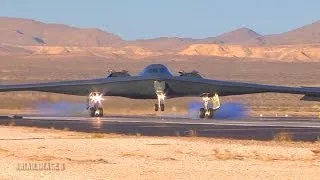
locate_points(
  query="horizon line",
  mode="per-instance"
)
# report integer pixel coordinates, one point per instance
(159, 37)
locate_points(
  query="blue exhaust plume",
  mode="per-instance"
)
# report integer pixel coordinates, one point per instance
(60, 108)
(226, 111)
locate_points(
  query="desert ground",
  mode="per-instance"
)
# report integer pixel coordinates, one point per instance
(26, 69)
(111, 156)
(32, 51)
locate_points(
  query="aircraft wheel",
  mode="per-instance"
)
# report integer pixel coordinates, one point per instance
(210, 113)
(156, 107)
(162, 107)
(100, 112)
(92, 112)
(202, 113)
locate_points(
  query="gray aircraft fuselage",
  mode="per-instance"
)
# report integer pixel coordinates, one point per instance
(142, 86)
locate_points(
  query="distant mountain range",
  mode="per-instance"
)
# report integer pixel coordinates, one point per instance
(27, 36)
(29, 32)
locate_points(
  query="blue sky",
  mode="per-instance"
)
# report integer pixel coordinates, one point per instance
(136, 19)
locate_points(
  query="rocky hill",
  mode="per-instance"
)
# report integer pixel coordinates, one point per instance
(17, 31)
(309, 34)
(242, 36)
(23, 36)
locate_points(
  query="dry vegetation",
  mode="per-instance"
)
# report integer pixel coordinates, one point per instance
(283, 136)
(97, 135)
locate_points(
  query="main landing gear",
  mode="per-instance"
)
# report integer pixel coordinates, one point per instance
(94, 104)
(207, 112)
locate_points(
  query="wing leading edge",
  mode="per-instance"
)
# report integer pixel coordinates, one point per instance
(194, 86)
(109, 86)
(143, 87)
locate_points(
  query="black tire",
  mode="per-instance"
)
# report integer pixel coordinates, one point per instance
(210, 113)
(156, 107)
(162, 107)
(92, 112)
(100, 112)
(202, 113)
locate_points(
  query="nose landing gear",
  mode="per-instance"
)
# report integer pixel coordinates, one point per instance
(159, 87)
(160, 105)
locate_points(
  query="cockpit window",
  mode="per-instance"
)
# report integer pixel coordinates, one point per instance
(155, 69)
(162, 70)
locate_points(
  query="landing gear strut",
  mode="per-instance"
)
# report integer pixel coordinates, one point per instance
(94, 104)
(207, 112)
(160, 104)
(159, 87)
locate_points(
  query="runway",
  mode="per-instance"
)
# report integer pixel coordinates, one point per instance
(256, 128)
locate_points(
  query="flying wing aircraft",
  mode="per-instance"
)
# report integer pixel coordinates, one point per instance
(156, 82)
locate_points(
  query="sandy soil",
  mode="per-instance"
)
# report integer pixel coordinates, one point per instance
(109, 156)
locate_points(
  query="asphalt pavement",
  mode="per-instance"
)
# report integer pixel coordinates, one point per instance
(255, 128)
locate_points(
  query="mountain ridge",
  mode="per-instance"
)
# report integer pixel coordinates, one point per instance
(24, 36)
(15, 28)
